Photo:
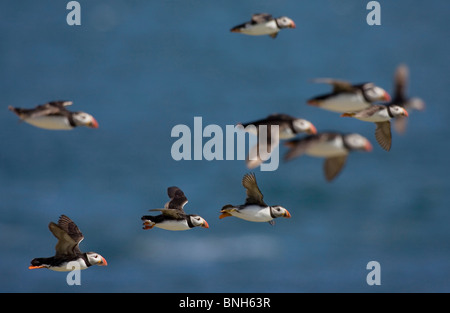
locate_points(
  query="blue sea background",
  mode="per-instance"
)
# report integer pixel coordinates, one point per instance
(143, 67)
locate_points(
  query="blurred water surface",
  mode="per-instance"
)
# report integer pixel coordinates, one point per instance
(142, 67)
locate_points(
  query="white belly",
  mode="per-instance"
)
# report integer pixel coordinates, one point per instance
(50, 122)
(261, 29)
(173, 225)
(287, 133)
(253, 213)
(64, 268)
(380, 116)
(345, 103)
(327, 149)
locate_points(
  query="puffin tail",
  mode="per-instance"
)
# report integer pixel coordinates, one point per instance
(14, 110)
(148, 222)
(37, 263)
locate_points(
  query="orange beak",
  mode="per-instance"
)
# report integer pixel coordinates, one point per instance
(386, 97)
(368, 147)
(405, 113)
(31, 267)
(312, 130)
(93, 124)
(205, 225)
(292, 25)
(287, 214)
(103, 262)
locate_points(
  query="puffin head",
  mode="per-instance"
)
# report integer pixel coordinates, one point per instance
(197, 221)
(85, 119)
(285, 22)
(398, 111)
(304, 126)
(375, 93)
(96, 259)
(279, 211)
(358, 142)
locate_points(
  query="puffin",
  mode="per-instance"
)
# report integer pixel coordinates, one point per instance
(67, 249)
(54, 115)
(264, 24)
(173, 217)
(347, 97)
(288, 128)
(401, 98)
(380, 115)
(254, 209)
(333, 146)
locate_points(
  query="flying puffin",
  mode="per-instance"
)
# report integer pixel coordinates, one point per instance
(54, 115)
(173, 216)
(334, 147)
(288, 128)
(254, 209)
(346, 97)
(381, 116)
(264, 24)
(67, 249)
(400, 97)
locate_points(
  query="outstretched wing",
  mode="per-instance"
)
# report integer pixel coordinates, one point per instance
(254, 195)
(50, 108)
(177, 199)
(174, 207)
(338, 85)
(68, 234)
(383, 135)
(400, 84)
(176, 214)
(261, 18)
(333, 166)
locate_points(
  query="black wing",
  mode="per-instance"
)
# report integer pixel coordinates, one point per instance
(68, 234)
(254, 195)
(261, 18)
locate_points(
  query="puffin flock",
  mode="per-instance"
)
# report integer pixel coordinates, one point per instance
(366, 102)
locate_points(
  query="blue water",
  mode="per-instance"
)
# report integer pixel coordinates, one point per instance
(142, 67)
